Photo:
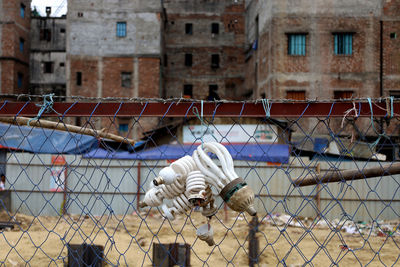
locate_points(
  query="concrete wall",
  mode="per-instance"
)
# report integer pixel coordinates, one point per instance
(51, 48)
(228, 43)
(94, 33)
(57, 28)
(45, 83)
(95, 51)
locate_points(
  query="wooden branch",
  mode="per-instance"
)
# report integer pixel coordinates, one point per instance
(349, 175)
(66, 127)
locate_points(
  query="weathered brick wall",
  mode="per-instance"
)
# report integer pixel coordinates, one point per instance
(320, 71)
(89, 68)
(13, 27)
(149, 77)
(112, 68)
(201, 44)
(391, 48)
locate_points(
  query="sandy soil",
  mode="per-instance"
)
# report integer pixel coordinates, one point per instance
(129, 240)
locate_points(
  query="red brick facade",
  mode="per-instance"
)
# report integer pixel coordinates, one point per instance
(320, 72)
(227, 76)
(15, 30)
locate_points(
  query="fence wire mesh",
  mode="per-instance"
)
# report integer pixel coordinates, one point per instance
(70, 179)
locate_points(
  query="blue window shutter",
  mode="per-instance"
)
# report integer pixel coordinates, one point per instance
(297, 44)
(343, 43)
(350, 50)
(121, 29)
(336, 44)
(21, 45)
(123, 127)
(19, 80)
(22, 11)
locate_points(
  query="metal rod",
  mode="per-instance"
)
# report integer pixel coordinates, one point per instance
(138, 187)
(318, 196)
(65, 127)
(347, 175)
(210, 109)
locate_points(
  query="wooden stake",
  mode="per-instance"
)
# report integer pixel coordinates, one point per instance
(347, 175)
(66, 127)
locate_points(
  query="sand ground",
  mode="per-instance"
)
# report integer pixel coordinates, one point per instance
(128, 240)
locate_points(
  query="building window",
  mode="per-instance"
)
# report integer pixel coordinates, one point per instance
(189, 28)
(256, 22)
(296, 95)
(123, 127)
(395, 94)
(21, 44)
(188, 60)
(165, 60)
(343, 43)
(80, 14)
(187, 91)
(215, 28)
(48, 67)
(121, 29)
(62, 30)
(215, 61)
(20, 79)
(22, 11)
(297, 44)
(393, 35)
(62, 64)
(213, 92)
(79, 78)
(343, 94)
(126, 79)
(45, 35)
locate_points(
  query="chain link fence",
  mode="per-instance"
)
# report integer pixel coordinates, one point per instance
(77, 175)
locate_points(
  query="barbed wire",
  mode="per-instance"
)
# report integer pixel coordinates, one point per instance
(192, 100)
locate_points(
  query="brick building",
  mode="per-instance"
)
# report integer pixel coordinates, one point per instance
(48, 55)
(322, 49)
(14, 46)
(390, 25)
(114, 50)
(204, 49)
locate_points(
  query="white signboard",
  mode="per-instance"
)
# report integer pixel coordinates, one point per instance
(227, 133)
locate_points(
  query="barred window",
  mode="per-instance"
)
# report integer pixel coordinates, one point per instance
(121, 29)
(187, 91)
(343, 43)
(126, 79)
(188, 60)
(297, 44)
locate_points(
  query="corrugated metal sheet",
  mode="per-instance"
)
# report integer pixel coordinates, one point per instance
(101, 186)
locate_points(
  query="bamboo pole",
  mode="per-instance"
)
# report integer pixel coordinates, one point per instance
(346, 175)
(66, 127)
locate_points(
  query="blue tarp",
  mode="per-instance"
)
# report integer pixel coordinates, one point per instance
(251, 152)
(40, 140)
